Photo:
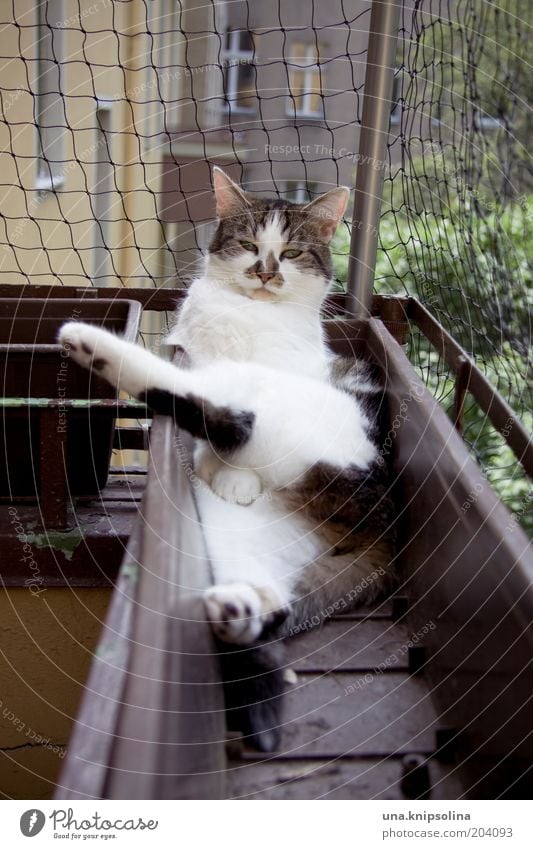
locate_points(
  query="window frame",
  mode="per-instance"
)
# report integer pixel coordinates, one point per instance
(236, 57)
(396, 97)
(301, 189)
(49, 141)
(310, 66)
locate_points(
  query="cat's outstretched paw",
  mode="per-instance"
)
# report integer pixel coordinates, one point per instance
(238, 486)
(80, 340)
(89, 346)
(240, 613)
(104, 353)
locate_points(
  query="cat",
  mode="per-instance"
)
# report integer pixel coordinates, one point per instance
(293, 494)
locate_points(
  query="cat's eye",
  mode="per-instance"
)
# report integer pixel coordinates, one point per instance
(249, 246)
(291, 253)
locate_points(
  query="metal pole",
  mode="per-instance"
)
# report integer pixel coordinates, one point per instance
(382, 40)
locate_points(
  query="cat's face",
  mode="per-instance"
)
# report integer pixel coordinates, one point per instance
(272, 250)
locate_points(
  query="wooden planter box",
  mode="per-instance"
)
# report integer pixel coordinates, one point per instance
(464, 584)
(465, 578)
(34, 366)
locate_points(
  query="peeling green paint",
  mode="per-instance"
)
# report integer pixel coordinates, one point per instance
(65, 542)
(75, 403)
(24, 402)
(130, 570)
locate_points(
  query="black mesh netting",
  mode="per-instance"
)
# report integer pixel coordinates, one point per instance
(113, 112)
(457, 220)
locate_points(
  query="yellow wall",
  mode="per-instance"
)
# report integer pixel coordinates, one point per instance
(46, 650)
(110, 61)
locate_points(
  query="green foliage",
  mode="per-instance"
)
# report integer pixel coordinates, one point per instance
(457, 224)
(470, 68)
(474, 274)
(496, 459)
(441, 259)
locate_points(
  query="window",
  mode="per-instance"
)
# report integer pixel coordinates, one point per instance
(49, 110)
(102, 198)
(238, 69)
(299, 191)
(396, 106)
(484, 120)
(304, 81)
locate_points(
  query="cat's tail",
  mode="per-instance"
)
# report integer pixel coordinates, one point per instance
(253, 689)
(166, 389)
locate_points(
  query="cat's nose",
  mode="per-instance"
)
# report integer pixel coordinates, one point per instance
(265, 276)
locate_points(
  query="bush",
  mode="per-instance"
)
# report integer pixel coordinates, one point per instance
(474, 275)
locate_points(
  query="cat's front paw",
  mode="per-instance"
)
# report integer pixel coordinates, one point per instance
(104, 353)
(238, 486)
(90, 347)
(240, 613)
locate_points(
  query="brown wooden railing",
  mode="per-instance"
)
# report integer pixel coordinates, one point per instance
(151, 724)
(152, 721)
(396, 313)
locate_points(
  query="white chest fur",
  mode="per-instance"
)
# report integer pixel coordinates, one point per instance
(215, 322)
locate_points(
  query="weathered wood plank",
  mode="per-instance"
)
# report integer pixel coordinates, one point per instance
(357, 714)
(89, 750)
(170, 737)
(379, 610)
(344, 645)
(468, 567)
(333, 779)
(87, 553)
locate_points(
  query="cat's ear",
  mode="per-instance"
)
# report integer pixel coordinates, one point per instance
(230, 198)
(328, 209)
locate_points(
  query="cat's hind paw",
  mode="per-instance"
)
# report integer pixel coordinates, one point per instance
(238, 486)
(240, 614)
(206, 462)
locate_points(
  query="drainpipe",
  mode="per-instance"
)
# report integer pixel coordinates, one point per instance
(382, 40)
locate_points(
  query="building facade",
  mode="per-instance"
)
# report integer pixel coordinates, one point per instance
(80, 177)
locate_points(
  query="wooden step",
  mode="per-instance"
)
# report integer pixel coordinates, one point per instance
(351, 645)
(333, 779)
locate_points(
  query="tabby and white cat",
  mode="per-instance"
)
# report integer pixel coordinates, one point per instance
(293, 497)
